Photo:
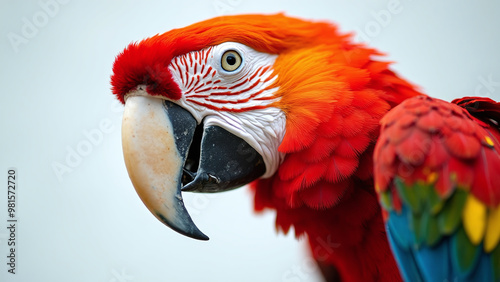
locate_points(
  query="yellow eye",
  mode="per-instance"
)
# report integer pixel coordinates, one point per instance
(231, 61)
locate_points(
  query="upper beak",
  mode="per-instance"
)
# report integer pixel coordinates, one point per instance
(166, 152)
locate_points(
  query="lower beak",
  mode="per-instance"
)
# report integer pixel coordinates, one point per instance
(167, 152)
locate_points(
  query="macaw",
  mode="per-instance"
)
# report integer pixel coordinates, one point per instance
(322, 129)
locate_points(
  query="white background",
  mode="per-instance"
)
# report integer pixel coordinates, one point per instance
(88, 224)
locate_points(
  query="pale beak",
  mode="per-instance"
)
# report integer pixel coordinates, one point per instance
(154, 163)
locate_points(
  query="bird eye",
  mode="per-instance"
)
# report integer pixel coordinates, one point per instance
(231, 61)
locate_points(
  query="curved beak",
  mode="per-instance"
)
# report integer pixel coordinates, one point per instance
(166, 152)
(154, 163)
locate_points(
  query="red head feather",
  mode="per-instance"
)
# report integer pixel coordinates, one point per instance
(146, 62)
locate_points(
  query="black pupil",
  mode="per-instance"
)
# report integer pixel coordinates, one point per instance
(231, 59)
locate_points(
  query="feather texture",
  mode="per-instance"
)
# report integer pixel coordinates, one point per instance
(441, 166)
(334, 95)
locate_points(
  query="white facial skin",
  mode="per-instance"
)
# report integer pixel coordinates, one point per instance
(233, 96)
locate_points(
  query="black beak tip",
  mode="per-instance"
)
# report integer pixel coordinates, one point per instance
(192, 231)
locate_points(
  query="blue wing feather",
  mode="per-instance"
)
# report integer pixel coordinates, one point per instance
(437, 263)
(434, 262)
(404, 258)
(484, 269)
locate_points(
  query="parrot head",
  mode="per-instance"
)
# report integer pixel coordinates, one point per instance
(218, 104)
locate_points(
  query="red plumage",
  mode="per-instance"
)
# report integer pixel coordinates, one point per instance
(324, 187)
(447, 143)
